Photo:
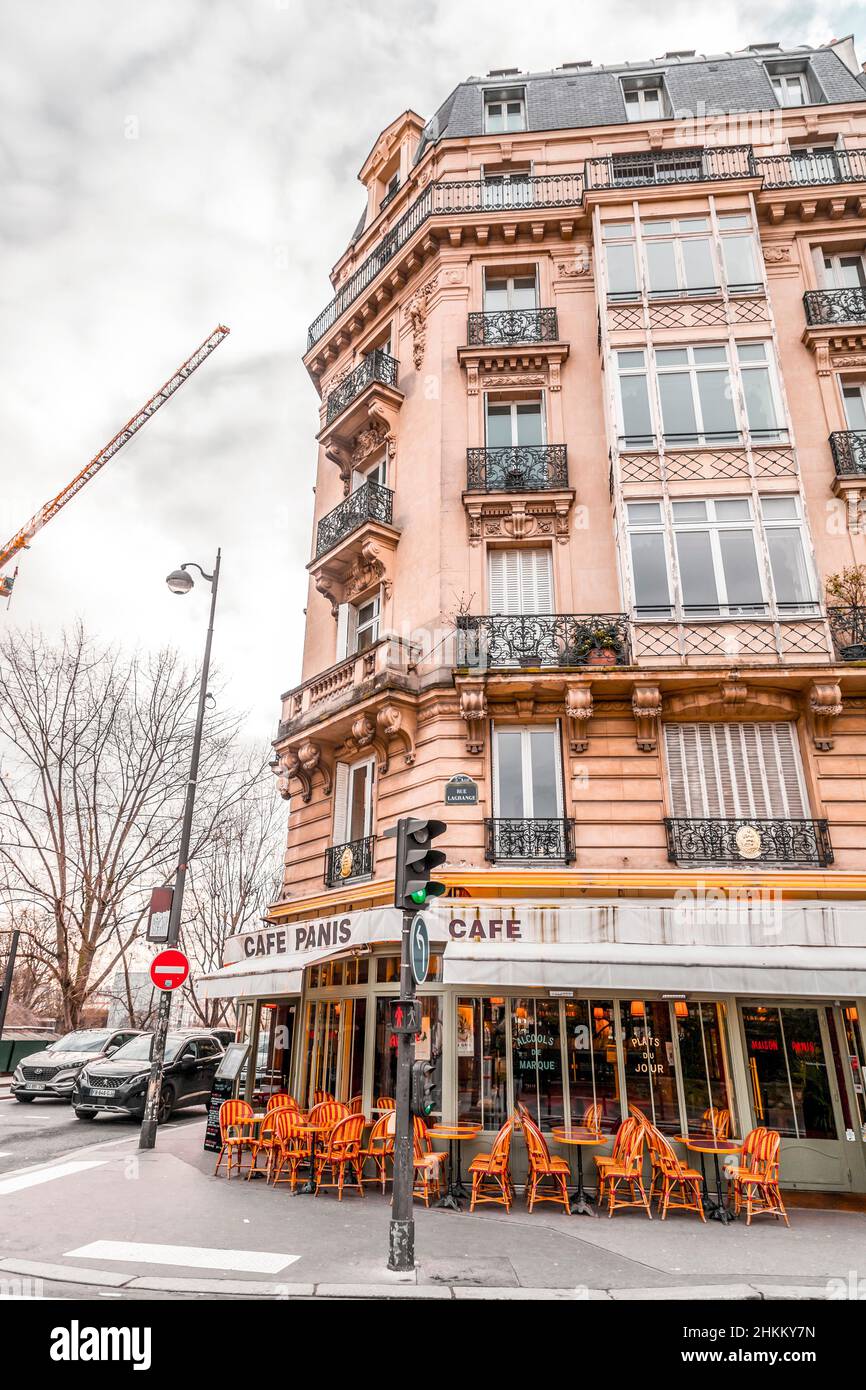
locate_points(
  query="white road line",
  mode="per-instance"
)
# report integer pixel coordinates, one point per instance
(189, 1256)
(34, 1176)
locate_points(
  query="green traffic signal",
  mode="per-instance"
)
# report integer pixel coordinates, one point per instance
(419, 896)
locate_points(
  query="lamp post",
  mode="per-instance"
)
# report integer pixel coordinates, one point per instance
(180, 582)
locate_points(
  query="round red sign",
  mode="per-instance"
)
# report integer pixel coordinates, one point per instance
(169, 969)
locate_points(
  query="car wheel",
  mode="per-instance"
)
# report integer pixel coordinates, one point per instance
(85, 1114)
(25, 1100)
(166, 1105)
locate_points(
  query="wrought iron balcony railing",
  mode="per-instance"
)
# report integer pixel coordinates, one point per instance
(542, 639)
(371, 502)
(848, 626)
(743, 840)
(804, 170)
(478, 195)
(648, 167)
(849, 451)
(503, 327)
(352, 860)
(545, 837)
(376, 366)
(521, 468)
(826, 307)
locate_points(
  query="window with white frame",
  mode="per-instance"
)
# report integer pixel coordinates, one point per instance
(520, 581)
(512, 424)
(841, 270)
(357, 626)
(854, 402)
(644, 98)
(696, 395)
(682, 256)
(679, 256)
(353, 801)
(635, 417)
(720, 551)
(509, 291)
(731, 771)
(817, 163)
(527, 773)
(620, 264)
(739, 251)
(506, 188)
(374, 471)
(504, 111)
(791, 87)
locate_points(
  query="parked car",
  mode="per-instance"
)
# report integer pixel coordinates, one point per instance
(224, 1035)
(117, 1085)
(52, 1072)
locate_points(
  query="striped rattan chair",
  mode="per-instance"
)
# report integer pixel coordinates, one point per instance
(716, 1121)
(427, 1162)
(380, 1148)
(319, 1097)
(756, 1179)
(282, 1101)
(356, 1105)
(544, 1167)
(605, 1161)
(385, 1103)
(491, 1173)
(677, 1186)
(625, 1171)
(234, 1133)
(292, 1146)
(341, 1150)
(593, 1116)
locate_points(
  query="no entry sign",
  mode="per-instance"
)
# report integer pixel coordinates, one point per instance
(169, 969)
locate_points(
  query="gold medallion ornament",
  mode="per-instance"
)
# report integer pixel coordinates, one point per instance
(347, 863)
(748, 842)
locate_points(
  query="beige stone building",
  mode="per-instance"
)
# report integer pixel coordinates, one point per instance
(592, 444)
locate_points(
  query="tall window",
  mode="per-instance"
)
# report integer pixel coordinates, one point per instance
(536, 1058)
(504, 112)
(512, 423)
(739, 251)
(619, 253)
(507, 188)
(696, 395)
(482, 1065)
(679, 255)
(520, 581)
(591, 1059)
(353, 801)
(527, 778)
(854, 401)
(788, 1071)
(735, 770)
(357, 626)
(636, 423)
(650, 1061)
(842, 270)
(510, 292)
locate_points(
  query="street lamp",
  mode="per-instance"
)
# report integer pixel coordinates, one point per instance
(180, 582)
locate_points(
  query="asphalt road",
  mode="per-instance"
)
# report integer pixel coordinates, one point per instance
(47, 1128)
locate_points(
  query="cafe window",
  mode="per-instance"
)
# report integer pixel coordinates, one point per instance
(591, 1062)
(788, 1071)
(428, 1046)
(536, 1059)
(854, 1048)
(650, 1061)
(703, 1066)
(482, 1041)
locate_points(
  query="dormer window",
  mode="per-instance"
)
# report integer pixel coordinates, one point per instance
(791, 84)
(504, 111)
(644, 98)
(391, 188)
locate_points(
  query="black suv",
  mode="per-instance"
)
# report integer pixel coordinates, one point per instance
(53, 1072)
(117, 1085)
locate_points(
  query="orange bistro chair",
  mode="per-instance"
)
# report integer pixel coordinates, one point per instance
(542, 1166)
(756, 1180)
(593, 1116)
(282, 1101)
(716, 1121)
(342, 1150)
(326, 1112)
(234, 1133)
(356, 1105)
(605, 1161)
(319, 1097)
(491, 1173)
(673, 1176)
(292, 1146)
(380, 1147)
(427, 1163)
(626, 1170)
(385, 1103)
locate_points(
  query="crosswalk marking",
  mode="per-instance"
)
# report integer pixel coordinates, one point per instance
(34, 1176)
(190, 1256)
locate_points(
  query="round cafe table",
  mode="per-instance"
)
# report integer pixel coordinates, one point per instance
(579, 1139)
(716, 1209)
(455, 1134)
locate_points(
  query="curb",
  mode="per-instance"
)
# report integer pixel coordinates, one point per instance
(240, 1288)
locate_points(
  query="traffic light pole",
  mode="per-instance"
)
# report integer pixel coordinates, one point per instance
(401, 1253)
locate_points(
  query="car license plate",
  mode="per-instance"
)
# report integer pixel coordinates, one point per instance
(35, 1085)
(102, 1090)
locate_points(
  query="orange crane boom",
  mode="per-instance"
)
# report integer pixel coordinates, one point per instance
(22, 538)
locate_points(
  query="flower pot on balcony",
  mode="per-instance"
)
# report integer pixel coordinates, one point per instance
(601, 656)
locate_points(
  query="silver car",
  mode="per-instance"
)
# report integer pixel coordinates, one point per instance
(52, 1074)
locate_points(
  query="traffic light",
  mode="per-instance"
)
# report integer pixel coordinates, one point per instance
(424, 1097)
(416, 860)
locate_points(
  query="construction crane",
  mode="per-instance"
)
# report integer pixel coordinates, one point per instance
(21, 540)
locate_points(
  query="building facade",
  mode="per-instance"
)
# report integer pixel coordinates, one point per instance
(589, 512)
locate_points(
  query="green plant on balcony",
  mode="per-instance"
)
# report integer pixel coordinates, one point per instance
(846, 596)
(599, 644)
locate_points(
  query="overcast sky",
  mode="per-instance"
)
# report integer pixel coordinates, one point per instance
(172, 165)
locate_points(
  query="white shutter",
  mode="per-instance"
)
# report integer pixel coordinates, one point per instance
(735, 770)
(341, 802)
(504, 581)
(536, 581)
(342, 631)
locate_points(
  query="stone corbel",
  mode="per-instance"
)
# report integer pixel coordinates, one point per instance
(390, 725)
(327, 584)
(578, 712)
(338, 454)
(646, 704)
(367, 570)
(825, 706)
(473, 708)
(363, 736)
(300, 764)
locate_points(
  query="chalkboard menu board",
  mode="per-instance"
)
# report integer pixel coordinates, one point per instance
(227, 1073)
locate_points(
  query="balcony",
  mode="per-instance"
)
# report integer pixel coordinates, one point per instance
(344, 863)
(371, 502)
(545, 838)
(804, 171)
(848, 626)
(650, 168)
(848, 448)
(505, 327)
(530, 641)
(521, 468)
(377, 366)
(747, 841)
(827, 308)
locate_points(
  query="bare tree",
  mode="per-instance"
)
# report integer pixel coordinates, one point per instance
(231, 886)
(94, 755)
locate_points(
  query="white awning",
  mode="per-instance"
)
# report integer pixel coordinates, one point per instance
(804, 971)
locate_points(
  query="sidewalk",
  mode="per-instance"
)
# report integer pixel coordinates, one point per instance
(110, 1217)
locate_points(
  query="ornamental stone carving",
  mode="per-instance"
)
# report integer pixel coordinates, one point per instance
(578, 266)
(825, 706)
(416, 312)
(646, 704)
(778, 253)
(367, 570)
(473, 709)
(300, 764)
(578, 712)
(377, 435)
